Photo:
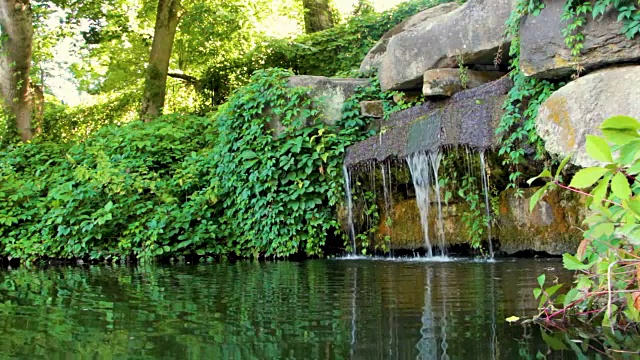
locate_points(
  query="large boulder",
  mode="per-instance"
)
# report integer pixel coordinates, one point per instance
(543, 53)
(331, 93)
(474, 31)
(553, 226)
(578, 108)
(374, 57)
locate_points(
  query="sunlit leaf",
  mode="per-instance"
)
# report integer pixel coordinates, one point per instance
(512, 319)
(620, 186)
(571, 263)
(621, 122)
(598, 149)
(587, 177)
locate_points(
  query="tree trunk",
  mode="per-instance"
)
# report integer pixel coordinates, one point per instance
(16, 39)
(37, 98)
(318, 15)
(156, 81)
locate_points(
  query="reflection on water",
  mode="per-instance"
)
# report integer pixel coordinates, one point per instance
(322, 309)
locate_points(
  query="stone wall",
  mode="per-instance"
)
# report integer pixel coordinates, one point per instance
(445, 53)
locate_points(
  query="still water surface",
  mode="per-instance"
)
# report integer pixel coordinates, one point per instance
(319, 309)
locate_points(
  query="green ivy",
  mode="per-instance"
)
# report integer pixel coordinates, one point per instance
(181, 185)
(517, 126)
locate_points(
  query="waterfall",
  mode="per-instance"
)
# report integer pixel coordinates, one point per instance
(436, 158)
(385, 169)
(347, 189)
(419, 167)
(487, 208)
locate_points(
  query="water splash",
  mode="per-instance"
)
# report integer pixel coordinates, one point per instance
(435, 159)
(419, 167)
(485, 188)
(347, 189)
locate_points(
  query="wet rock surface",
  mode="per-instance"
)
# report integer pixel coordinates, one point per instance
(467, 118)
(474, 32)
(553, 226)
(543, 52)
(374, 57)
(446, 82)
(578, 108)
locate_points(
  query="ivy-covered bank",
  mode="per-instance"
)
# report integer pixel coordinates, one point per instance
(224, 185)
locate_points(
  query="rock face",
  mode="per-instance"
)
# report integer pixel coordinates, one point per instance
(406, 231)
(330, 92)
(578, 108)
(373, 108)
(552, 227)
(474, 31)
(467, 118)
(374, 57)
(543, 53)
(446, 82)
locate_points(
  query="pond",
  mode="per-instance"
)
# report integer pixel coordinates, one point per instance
(316, 309)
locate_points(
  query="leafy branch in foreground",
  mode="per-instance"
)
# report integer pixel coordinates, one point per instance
(607, 285)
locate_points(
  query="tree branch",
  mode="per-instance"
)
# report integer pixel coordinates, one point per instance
(191, 80)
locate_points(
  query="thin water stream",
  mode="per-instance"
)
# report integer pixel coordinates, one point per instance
(487, 207)
(349, 198)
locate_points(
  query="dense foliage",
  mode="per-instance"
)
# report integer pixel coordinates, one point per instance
(279, 168)
(336, 51)
(608, 259)
(228, 184)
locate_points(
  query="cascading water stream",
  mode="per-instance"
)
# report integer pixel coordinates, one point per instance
(435, 159)
(485, 188)
(347, 189)
(386, 186)
(419, 167)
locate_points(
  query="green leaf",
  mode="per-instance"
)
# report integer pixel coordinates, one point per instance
(541, 279)
(537, 292)
(552, 290)
(512, 319)
(629, 153)
(536, 197)
(621, 122)
(562, 165)
(571, 263)
(620, 186)
(554, 342)
(544, 173)
(598, 149)
(570, 296)
(633, 205)
(587, 177)
(248, 154)
(634, 169)
(601, 229)
(620, 137)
